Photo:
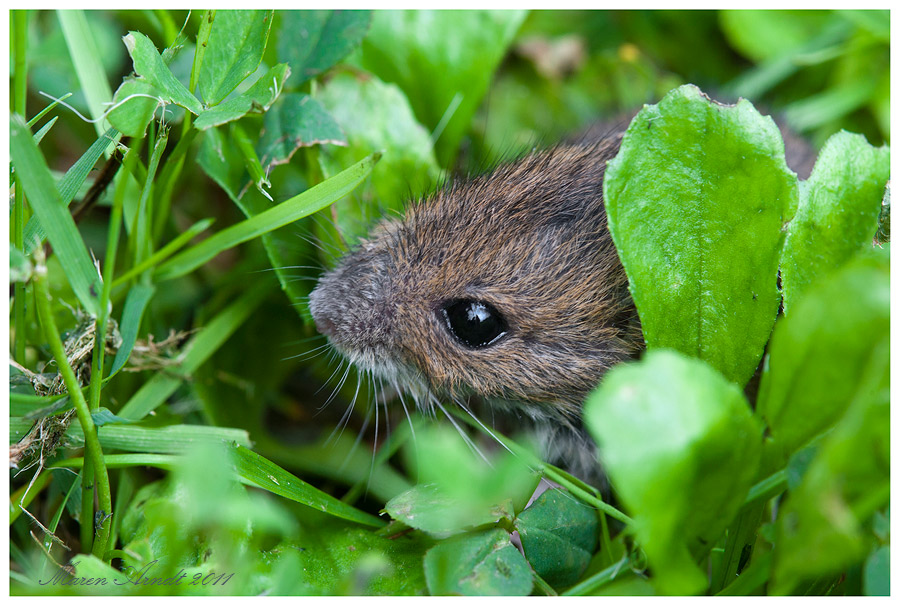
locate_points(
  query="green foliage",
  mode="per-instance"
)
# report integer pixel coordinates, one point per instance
(671, 429)
(695, 186)
(249, 149)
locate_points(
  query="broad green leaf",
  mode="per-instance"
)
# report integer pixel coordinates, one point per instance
(150, 66)
(464, 476)
(335, 558)
(296, 121)
(877, 572)
(482, 563)
(765, 34)
(90, 567)
(838, 213)
(376, 116)
(313, 41)
(257, 471)
(299, 206)
(820, 354)
(821, 525)
(428, 508)
(69, 185)
(696, 187)
(132, 115)
(258, 99)
(681, 448)
(235, 48)
(559, 535)
(44, 199)
(442, 60)
(86, 58)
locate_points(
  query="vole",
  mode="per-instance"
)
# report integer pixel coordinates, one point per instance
(505, 286)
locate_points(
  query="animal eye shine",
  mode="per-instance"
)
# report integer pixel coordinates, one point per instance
(474, 323)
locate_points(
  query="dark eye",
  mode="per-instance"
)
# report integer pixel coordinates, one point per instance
(474, 323)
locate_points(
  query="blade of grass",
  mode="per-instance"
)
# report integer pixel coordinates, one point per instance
(86, 58)
(251, 160)
(596, 581)
(262, 473)
(69, 185)
(35, 177)
(167, 178)
(140, 232)
(20, 499)
(116, 461)
(201, 347)
(92, 444)
(166, 251)
(135, 304)
(295, 208)
(20, 86)
(34, 120)
(39, 136)
(169, 439)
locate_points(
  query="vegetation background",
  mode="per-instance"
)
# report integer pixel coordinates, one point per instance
(214, 341)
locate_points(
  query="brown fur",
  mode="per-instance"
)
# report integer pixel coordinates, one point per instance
(530, 239)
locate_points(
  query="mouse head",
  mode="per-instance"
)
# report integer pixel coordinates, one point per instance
(507, 286)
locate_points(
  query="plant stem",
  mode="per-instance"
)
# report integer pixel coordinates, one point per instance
(20, 84)
(91, 441)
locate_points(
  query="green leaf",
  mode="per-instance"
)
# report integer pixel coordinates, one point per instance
(681, 448)
(695, 186)
(296, 121)
(257, 471)
(83, 48)
(132, 115)
(428, 508)
(820, 354)
(39, 136)
(69, 185)
(150, 66)
(820, 527)
(171, 439)
(258, 99)
(104, 415)
(877, 572)
(838, 213)
(235, 48)
(313, 41)
(44, 199)
(376, 116)
(482, 563)
(135, 304)
(443, 61)
(766, 34)
(299, 206)
(559, 535)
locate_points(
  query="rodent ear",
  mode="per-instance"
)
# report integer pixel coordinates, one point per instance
(474, 324)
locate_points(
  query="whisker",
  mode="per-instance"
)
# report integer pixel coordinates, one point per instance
(466, 438)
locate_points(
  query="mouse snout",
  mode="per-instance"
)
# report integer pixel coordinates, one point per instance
(319, 311)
